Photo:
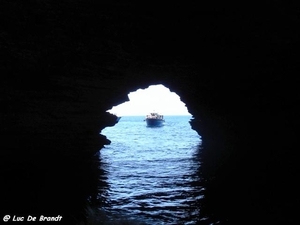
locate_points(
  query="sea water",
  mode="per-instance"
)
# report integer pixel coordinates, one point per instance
(152, 173)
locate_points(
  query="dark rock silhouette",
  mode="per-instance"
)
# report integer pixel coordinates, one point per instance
(64, 64)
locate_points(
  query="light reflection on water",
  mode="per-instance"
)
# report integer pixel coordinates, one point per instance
(153, 173)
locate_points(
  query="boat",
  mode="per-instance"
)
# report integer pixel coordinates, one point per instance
(154, 120)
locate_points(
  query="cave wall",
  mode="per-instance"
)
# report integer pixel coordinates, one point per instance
(64, 64)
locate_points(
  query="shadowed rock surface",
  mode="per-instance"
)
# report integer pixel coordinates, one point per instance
(64, 64)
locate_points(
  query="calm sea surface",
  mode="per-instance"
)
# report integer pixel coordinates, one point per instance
(152, 174)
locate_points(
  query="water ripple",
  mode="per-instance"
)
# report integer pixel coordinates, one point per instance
(153, 174)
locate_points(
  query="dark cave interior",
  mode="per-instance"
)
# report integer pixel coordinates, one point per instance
(64, 64)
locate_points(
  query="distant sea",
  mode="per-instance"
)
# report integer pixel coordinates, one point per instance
(152, 174)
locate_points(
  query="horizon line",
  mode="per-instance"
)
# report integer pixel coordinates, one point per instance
(145, 115)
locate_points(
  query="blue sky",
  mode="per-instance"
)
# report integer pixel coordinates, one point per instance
(155, 98)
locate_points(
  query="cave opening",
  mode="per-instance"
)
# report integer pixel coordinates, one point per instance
(152, 173)
(154, 98)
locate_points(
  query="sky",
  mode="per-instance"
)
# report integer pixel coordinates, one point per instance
(155, 98)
